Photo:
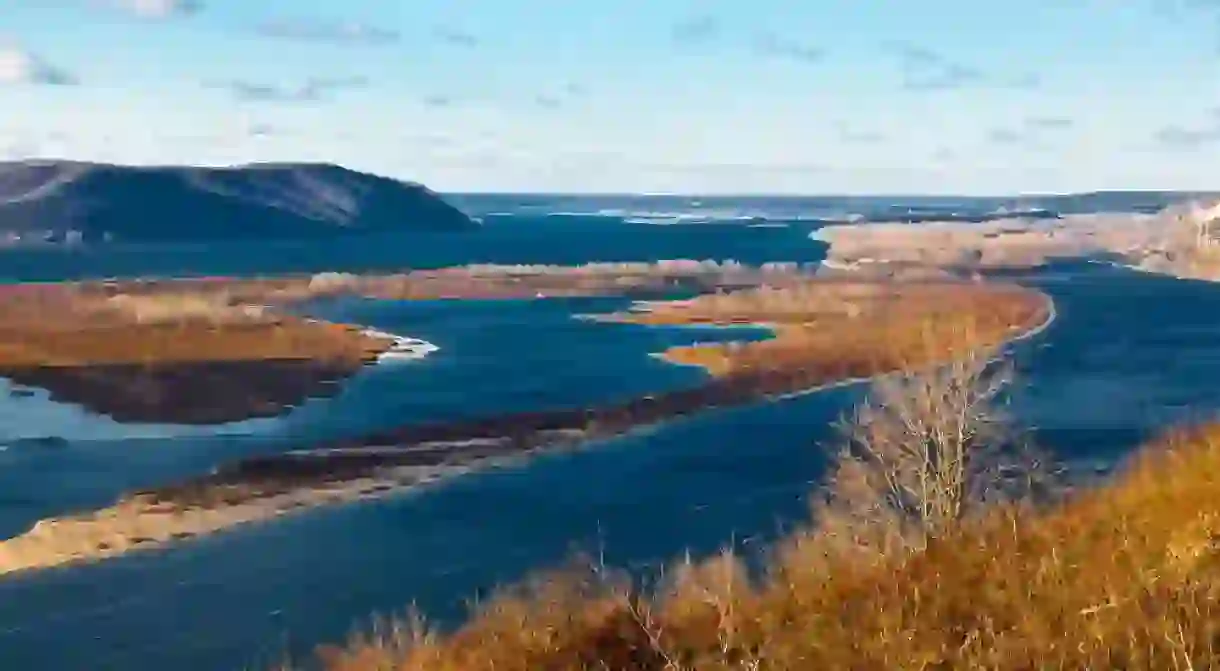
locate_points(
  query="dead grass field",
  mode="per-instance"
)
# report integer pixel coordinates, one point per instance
(862, 327)
(56, 326)
(276, 339)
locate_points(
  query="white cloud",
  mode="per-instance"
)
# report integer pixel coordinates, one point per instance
(155, 9)
(337, 32)
(18, 66)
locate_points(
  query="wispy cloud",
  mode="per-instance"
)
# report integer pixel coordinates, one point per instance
(1179, 9)
(456, 37)
(770, 44)
(154, 9)
(438, 101)
(1049, 123)
(328, 30)
(559, 97)
(926, 70)
(260, 130)
(695, 29)
(731, 168)
(943, 154)
(852, 136)
(1008, 136)
(1034, 132)
(313, 90)
(18, 66)
(1205, 133)
(1175, 136)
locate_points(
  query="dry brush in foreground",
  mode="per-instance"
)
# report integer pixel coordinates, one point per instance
(1122, 576)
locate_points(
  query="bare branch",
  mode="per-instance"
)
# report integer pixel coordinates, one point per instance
(927, 450)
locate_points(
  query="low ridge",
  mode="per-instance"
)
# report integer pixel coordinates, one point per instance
(47, 201)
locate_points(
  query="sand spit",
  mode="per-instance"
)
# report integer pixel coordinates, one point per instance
(144, 522)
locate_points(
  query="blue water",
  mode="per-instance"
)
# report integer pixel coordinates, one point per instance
(1128, 354)
(530, 239)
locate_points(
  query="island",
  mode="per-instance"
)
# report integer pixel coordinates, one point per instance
(827, 332)
(172, 356)
(830, 330)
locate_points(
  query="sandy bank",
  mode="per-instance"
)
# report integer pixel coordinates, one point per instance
(149, 520)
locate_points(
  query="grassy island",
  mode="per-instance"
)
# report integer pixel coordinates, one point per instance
(171, 355)
(837, 328)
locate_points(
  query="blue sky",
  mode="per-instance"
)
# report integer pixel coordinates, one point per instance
(771, 96)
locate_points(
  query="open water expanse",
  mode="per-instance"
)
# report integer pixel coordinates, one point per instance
(1128, 354)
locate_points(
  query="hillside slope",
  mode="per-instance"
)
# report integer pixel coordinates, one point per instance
(59, 200)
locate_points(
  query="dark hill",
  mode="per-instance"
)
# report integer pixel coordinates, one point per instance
(61, 200)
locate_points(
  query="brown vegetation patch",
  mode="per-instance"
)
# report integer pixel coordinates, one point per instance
(170, 355)
(864, 327)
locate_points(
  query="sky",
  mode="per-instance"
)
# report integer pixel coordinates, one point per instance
(692, 96)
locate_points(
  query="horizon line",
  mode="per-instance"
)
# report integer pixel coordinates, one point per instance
(620, 193)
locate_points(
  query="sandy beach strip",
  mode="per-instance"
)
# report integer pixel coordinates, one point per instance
(139, 524)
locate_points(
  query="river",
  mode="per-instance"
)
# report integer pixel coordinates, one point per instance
(1128, 354)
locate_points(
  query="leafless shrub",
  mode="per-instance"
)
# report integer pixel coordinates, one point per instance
(927, 450)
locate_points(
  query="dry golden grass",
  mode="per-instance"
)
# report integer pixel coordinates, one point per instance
(849, 329)
(1125, 576)
(279, 339)
(67, 326)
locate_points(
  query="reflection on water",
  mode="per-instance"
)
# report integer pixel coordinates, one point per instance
(27, 415)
